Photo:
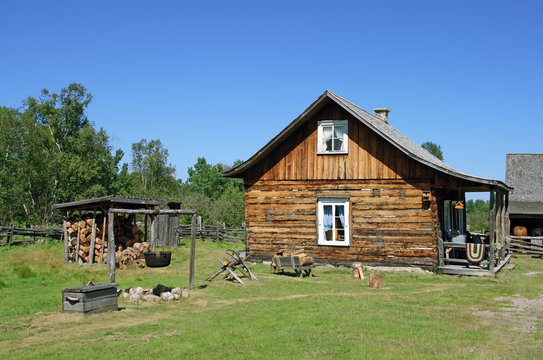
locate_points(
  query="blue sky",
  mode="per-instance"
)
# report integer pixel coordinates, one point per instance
(219, 79)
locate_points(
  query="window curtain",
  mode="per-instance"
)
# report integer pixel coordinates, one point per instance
(327, 132)
(327, 219)
(341, 213)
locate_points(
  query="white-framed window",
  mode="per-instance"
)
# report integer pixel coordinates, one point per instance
(333, 221)
(332, 137)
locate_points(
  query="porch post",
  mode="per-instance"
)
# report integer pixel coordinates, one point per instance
(507, 224)
(492, 232)
(439, 249)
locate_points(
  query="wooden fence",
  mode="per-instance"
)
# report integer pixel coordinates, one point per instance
(529, 245)
(218, 232)
(26, 235)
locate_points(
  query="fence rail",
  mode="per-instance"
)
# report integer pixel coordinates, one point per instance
(527, 245)
(219, 233)
(29, 235)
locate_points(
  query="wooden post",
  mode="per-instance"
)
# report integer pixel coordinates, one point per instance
(492, 231)
(93, 239)
(103, 237)
(146, 240)
(507, 225)
(153, 232)
(217, 233)
(440, 252)
(10, 233)
(77, 245)
(111, 247)
(192, 251)
(504, 224)
(65, 231)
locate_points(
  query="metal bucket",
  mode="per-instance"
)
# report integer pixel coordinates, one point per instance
(158, 258)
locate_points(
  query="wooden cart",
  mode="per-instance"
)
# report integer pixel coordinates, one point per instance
(281, 263)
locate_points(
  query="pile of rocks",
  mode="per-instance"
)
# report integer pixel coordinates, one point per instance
(159, 293)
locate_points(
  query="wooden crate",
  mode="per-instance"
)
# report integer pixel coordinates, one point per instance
(90, 299)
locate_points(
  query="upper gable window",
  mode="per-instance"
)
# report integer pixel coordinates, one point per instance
(332, 137)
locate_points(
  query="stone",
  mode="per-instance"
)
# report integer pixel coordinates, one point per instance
(176, 291)
(185, 294)
(135, 297)
(138, 290)
(151, 298)
(167, 296)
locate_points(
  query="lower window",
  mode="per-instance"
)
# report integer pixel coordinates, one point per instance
(333, 222)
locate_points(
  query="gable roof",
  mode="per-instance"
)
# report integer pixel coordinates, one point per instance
(524, 172)
(383, 128)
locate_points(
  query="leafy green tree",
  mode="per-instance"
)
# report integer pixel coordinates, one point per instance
(478, 215)
(216, 198)
(433, 149)
(152, 175)
(52, 153)
(207, 179)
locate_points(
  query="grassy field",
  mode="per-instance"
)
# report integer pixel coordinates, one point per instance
(329, 316)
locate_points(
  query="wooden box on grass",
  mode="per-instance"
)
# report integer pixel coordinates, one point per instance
(90, 299)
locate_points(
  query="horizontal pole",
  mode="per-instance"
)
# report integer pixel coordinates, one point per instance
(152, 212)
(526, 237)
(458, 245)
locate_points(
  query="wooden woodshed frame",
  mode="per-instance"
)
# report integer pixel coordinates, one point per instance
(393, 190)
(111, 205)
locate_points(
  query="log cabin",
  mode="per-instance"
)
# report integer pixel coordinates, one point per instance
(347, 186)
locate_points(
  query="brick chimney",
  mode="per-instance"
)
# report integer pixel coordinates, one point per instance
(382, 113)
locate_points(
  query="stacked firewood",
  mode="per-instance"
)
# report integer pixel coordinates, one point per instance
(135, 253)
(305, 259)
(128, 239)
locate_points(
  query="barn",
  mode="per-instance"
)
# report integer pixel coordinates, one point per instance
(524, 172)
(347, 186)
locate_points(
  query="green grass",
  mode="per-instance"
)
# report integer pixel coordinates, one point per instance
(329, 316)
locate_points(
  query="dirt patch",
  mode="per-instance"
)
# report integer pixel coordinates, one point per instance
(521, 314)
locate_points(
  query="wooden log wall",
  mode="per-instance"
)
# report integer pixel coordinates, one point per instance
(391, 225)
(369, 157)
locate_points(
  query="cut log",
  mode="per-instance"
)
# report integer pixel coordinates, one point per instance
(376, 281)
(357, 271)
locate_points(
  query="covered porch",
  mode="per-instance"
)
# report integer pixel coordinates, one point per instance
(462, 252)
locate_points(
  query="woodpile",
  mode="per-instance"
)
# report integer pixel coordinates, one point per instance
(135, 253)
(305, 259)
(87, 239)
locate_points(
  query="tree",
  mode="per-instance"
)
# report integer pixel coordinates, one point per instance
(216, 198)
(152, 175)
(433, 149)
(52, 153)
(478, 215)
